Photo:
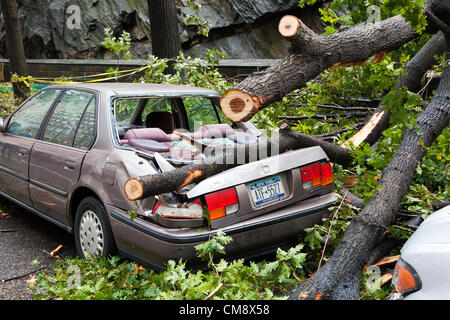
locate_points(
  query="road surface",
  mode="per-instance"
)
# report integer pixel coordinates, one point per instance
(24, 238)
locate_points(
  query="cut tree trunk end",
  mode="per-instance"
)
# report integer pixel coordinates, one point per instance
(238, 104)
(134, 189)
(289, 25)
(302, 38)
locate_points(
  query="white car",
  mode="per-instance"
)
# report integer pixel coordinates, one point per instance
(423, 270)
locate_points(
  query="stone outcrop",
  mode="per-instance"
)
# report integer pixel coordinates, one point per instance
(242, 29)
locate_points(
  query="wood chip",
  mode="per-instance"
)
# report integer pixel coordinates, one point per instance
(386, 278)
(303, 294)
(56, 250)
(362, 134)
(387, 260)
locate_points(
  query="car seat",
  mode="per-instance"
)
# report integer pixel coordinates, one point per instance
(160, 119)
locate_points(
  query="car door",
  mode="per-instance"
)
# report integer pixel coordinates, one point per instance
(56, 160)
(17, 141)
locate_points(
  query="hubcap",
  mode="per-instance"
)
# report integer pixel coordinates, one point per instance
(91, 234)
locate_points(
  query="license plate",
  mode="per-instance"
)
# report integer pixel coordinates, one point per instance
(266, 191)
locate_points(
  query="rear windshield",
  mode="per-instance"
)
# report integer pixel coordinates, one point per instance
(186, 111)
(171, 125)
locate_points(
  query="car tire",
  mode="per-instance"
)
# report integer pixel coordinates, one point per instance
(92, 230)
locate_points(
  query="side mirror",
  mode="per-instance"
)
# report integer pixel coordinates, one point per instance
(2, 125)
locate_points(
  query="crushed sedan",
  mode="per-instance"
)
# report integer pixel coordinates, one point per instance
(67, 152)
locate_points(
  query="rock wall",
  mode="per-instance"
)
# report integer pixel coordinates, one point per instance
(241, 28)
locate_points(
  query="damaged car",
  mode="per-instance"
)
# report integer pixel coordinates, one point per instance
(67, 152)
(422, 273)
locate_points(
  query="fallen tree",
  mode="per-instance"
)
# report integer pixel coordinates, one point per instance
(363, 241)
(316, 54)
(339, 278)
(145, 186)
(414, 71)
(224, 159)
(307, 65)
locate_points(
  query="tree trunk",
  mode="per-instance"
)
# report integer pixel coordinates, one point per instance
(354, 45)
(339, 277)
(14, 45)
(288, 139)
(166, 41)
(327, 116)
(441, 9)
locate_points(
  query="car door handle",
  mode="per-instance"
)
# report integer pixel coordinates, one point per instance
(69, 166)
(22, 153)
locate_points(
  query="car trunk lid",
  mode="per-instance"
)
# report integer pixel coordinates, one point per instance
(258, 170)
(261, 186)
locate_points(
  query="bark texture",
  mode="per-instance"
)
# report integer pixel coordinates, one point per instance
(354, 45)
(14, 44)
(440, 8)
(166, 41)
(339, 277)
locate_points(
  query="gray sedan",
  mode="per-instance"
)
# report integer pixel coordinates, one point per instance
(66, 153)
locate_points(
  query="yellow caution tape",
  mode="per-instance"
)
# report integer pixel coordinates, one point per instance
(117, 74)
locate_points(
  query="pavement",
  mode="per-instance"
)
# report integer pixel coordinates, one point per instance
(24, 238)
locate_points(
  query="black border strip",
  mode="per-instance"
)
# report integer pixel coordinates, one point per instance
(231, 231)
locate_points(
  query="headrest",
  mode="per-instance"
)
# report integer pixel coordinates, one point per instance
(160, 119)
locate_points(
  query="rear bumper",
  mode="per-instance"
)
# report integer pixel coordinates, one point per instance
(154, 245)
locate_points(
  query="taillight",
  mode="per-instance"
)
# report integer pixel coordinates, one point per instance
(311, 175)
(326, 173)
(191, 210)
(405, 278)
(222, 203)
(316, 174)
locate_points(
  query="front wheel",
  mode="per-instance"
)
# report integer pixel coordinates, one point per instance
(93, 234)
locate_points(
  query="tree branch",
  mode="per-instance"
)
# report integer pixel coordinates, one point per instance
(415, 69)
(354, 45)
